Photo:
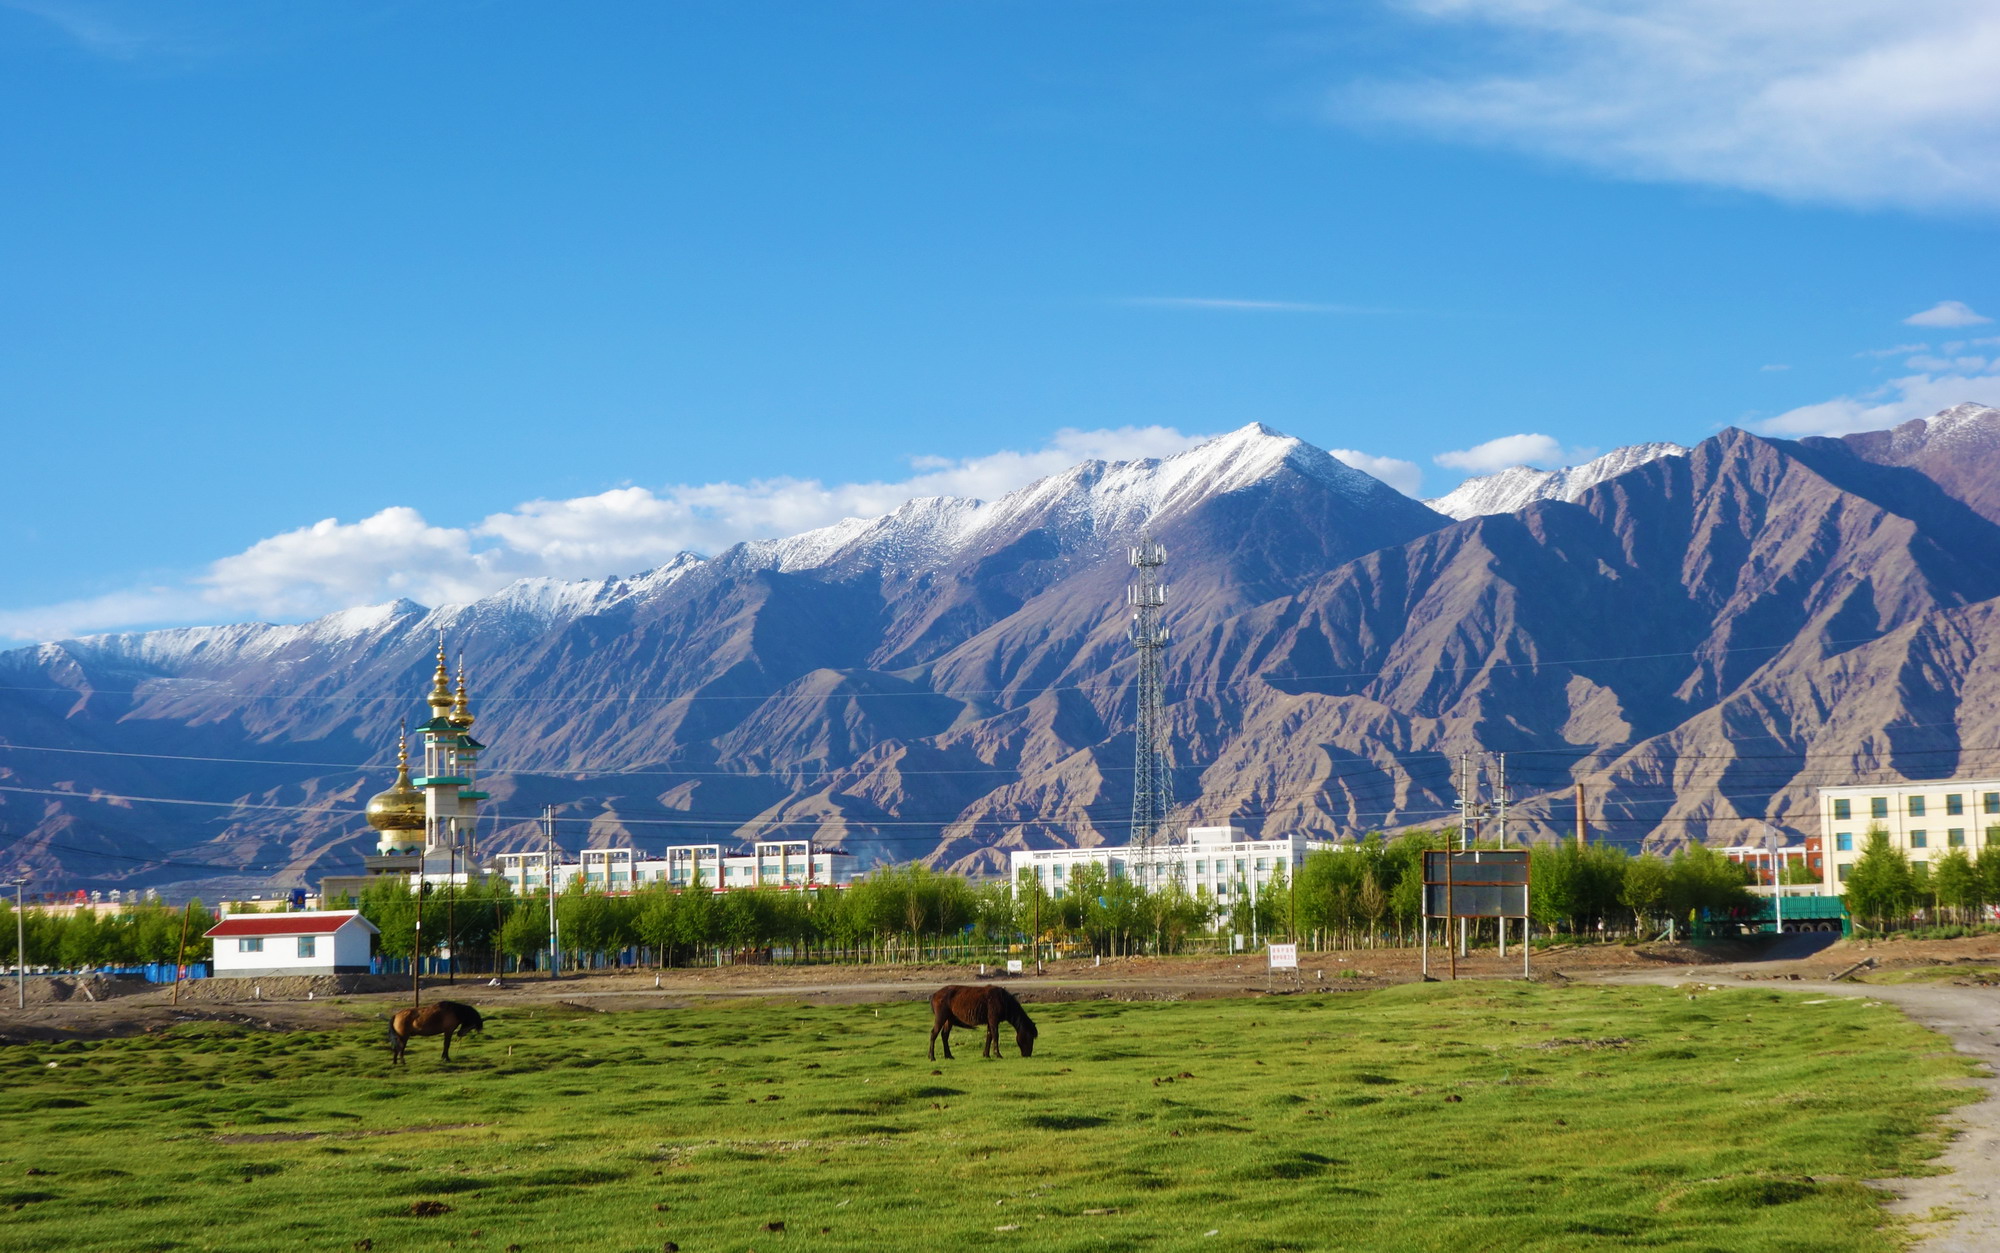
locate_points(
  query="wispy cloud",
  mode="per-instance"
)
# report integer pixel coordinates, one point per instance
(1773, 369)
(1861, 102)
(1226, 305)
(1894, 350)
(333, 565)
(100, 29)
(1947, 313)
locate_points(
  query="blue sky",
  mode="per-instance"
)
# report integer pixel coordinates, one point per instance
(311, 304)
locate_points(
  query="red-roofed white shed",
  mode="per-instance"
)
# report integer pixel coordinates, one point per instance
(320, 942)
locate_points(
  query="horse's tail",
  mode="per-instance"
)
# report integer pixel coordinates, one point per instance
(390, 1027)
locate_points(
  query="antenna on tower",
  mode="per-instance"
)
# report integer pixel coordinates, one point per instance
(1152, 785)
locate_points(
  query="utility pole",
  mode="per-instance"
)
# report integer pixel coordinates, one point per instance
(1581, 839)
(450, 910)
(416, 958)
(181, 954)
(21, 943)
(549, 876)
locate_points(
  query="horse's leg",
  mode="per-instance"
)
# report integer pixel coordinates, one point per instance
(447, 1046)
(948, 1022)
(992, 1048)
(397, 1042)
(937, 1025)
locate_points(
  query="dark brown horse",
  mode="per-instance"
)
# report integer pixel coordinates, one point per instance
(445, 1018)
(972, 1007)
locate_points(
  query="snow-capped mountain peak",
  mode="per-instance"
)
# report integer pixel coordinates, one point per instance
(1517, 487)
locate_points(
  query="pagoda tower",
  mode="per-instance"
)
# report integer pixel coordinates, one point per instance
(450, 770)
(425, 824)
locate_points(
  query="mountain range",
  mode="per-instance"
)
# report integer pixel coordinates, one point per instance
(1698, 636)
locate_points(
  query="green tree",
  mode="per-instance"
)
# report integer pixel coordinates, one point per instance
(1956, 884)
(1880, 886)
(1648, 880)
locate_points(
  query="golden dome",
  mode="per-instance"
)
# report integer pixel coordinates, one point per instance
(461, 715)
(401, 808)
(440, 697)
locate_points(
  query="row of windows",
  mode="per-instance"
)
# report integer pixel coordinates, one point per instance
(1954, 805)
(308, 945)
(1200, 867)
(1954, 837)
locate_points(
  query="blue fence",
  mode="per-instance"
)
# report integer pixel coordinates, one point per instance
(158, 972)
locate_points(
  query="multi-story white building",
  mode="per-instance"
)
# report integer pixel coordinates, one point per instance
(1926, 820)
(770, 863)
(1220, 859)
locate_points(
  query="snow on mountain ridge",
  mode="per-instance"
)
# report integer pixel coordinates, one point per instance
(1517, 487)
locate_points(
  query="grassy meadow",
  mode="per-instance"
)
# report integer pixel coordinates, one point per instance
(1475, 1116)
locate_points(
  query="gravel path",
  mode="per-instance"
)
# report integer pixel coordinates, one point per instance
(1970, 1018)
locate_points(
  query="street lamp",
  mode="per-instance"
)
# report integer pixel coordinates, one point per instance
(1774, 840)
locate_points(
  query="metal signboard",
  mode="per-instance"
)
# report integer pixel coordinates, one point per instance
(1284, 957)
(1480, 883)
(1474, 883)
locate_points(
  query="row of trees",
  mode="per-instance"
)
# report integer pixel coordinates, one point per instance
(136, 936)
(1367, 894)
(1886, 889)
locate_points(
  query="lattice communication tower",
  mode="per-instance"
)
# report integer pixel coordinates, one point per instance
(1152, 784)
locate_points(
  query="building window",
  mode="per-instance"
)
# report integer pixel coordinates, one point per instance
(1955, 837)
(1991, 802)
(1954, 803)
(1844, 842)
(1263, 863)
(1201, 867)
(1843, 809)
(1916, 807)
(250, 944)
(1878, 807)
(1844, 868)
(1919, 839)
(1059, 871)
(1993, 835)
(308, 946)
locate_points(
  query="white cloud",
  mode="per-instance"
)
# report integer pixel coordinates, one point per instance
(1915, 396)
(1773, 369)
(1947, 313)
(334, 565)
(1404, 476)
(1861, 102)
(1499, 454)
(1894, 350)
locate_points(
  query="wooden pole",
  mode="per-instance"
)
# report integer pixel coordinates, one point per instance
(416, 960)
(180, 957)
(1581, 837)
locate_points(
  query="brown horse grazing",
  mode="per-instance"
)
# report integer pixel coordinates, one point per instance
(988, 1007)
(445, 1018)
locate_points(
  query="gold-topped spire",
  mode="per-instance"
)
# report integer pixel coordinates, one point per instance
(401, 808)
(440, 697)
(461, 714)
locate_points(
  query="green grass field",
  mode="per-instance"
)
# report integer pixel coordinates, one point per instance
(1463, 1117)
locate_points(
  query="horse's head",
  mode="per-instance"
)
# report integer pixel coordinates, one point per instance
(1024, 1035)
(469, 1020)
